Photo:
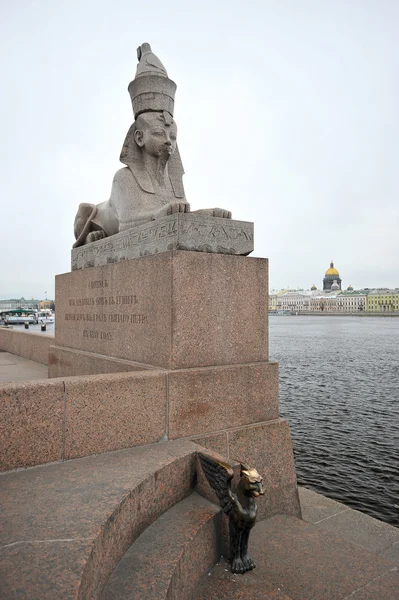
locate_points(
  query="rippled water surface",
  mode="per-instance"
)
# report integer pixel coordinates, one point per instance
(339, 390)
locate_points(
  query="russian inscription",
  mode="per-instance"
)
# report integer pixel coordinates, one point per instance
(102, 301)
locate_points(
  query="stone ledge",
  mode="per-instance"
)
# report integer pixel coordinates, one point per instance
(354, 526)
(181, 231)
(69, 362)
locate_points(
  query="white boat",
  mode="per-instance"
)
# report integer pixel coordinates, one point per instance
(18, 316)
(45, 316)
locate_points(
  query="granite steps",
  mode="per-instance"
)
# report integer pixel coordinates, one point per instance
(65, 526)
(170, 557)
(69, 530)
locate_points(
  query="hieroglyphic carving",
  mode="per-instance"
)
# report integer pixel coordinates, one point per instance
(188, 231)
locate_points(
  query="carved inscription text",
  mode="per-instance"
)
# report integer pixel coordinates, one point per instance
(99, 315)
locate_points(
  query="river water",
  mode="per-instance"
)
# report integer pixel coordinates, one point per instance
(339, 390)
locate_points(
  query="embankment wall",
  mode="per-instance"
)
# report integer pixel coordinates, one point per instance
(33, 346)
(52, 420)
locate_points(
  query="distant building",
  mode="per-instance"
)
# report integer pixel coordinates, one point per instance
(293, 302)
(383, 300)
(273, 302)
(14, 303)
(352, 302)
(45, 304)
(326, 302)
(331, 278)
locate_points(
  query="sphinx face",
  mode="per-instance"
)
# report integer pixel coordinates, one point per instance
(156, 137)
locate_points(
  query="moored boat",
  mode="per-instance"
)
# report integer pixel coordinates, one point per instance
(19, 316)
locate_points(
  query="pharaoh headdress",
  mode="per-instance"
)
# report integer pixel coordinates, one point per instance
(151, 91)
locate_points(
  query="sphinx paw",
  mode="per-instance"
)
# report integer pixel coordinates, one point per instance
(178, 207)
(221, 213)
(94, 236)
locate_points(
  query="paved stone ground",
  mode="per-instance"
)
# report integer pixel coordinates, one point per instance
(16, 368)
(373, 535)
(335, 553)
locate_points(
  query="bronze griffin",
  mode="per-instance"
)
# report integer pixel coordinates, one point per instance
(240, 506)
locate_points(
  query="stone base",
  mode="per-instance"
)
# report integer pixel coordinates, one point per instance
(182, 231)
(174, 310)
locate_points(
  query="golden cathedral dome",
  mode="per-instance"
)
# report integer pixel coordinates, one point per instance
(332, 270)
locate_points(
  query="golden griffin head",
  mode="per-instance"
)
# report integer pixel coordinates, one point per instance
(252, 482)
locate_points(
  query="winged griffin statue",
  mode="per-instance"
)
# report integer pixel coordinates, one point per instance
(240, 506)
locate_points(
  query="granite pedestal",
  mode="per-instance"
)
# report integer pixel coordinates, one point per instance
(199, 322)
(175, 310)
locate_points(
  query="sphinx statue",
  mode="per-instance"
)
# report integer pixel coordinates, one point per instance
(150, 186)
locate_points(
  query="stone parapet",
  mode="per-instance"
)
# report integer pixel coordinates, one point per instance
(180, 231)
(71, 417)
(33, 346)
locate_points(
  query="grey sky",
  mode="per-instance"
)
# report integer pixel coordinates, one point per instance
(287, 113)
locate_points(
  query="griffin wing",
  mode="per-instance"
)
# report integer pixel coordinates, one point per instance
(219, 476)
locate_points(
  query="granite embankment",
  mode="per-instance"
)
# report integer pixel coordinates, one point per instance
(33, 346)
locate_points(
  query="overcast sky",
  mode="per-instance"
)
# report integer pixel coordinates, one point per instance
(287, 113)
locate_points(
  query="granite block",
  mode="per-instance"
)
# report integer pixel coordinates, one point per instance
(15, 368)
(184, 231)
(308, 562)
(66, 362)
(171, 310)
(385, 587)
(391, 553)
(120, 310)
(211, 399)
(31, 426)
(163, 488)
(220, 312)
(268, 448)
(221, 584)
(43, 571)
(115, 411)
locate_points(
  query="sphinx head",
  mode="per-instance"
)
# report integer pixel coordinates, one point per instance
(155, 133)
